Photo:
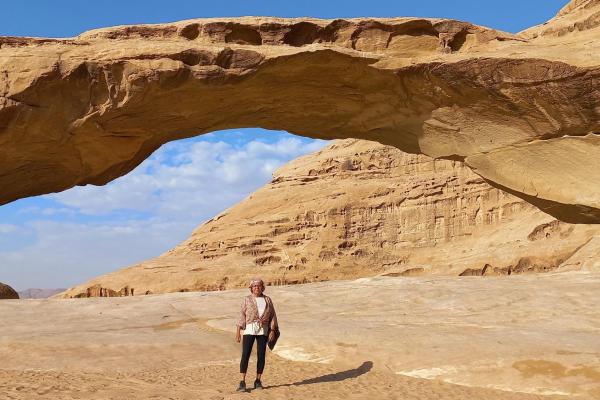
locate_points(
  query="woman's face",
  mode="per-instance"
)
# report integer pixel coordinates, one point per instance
(256, 289)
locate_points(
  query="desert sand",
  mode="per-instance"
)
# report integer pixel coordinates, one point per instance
(518, 337)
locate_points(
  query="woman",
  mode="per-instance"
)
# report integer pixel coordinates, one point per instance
(257, 322)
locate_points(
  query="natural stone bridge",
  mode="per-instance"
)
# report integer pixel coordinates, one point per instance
(521, 110)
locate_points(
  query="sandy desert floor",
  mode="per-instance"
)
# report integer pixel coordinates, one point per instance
(518, 337)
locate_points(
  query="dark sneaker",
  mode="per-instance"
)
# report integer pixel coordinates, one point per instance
(242, 387)
(257, 384)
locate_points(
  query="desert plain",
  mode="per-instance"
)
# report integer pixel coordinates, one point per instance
(517, 337)
(521, 111)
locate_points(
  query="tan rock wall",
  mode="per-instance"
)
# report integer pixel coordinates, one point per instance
(358, 208)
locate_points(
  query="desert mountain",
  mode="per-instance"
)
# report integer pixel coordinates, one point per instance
(355, 209)
(35, 293)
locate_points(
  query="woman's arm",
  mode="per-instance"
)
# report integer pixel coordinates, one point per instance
(241, 323)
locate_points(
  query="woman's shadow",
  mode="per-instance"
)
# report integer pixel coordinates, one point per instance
(338, 376)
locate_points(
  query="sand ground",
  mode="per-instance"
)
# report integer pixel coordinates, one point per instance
(283, 380)
(528, 337)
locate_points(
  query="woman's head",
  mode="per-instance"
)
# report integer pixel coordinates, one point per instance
(257, 286)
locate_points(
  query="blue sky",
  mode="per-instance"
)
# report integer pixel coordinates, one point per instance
(60, 240)
(61, 18)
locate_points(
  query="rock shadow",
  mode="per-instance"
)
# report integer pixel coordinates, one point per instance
(336, 377)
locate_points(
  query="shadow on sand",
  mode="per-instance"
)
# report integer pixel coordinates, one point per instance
(338, 376)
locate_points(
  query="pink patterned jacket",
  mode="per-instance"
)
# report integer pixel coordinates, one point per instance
(249, 313)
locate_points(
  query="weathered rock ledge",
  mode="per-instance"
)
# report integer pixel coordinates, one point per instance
(521, 110)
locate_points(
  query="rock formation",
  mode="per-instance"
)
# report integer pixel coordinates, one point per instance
(521, 110)
(356, 209)
(6, 292)
(99, 291)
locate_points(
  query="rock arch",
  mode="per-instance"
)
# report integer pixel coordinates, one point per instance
(521, 110)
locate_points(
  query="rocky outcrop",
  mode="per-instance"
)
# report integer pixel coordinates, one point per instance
(6, 292)
(577, 16)
(99, 291)
(357, 209)
(520, 110)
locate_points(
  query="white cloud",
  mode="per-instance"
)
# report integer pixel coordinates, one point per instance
(68, 253)
(8, 228)
(186, 179)
(179, 187)
(213, 176)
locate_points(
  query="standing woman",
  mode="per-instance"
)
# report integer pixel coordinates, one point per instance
(258, 321)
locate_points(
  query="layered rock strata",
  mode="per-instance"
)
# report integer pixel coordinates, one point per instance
(356, 209)
(99, 291)
(521, 110)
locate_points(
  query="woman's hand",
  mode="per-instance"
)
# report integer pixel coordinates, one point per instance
(238, 336)
(271, 336)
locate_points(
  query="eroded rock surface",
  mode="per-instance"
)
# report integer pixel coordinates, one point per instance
(99, 291)
(358, 208)
(521, 110)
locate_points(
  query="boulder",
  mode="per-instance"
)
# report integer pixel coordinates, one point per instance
(6, 292)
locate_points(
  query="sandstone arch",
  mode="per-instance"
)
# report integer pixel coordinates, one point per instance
(521, 110)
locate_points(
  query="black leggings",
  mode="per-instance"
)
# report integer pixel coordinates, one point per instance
(247, 344)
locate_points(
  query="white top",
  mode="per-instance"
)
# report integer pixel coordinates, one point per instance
(254, 328)
(262, 304)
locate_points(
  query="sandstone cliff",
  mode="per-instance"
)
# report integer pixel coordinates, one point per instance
(356, 209)
(520, 110)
